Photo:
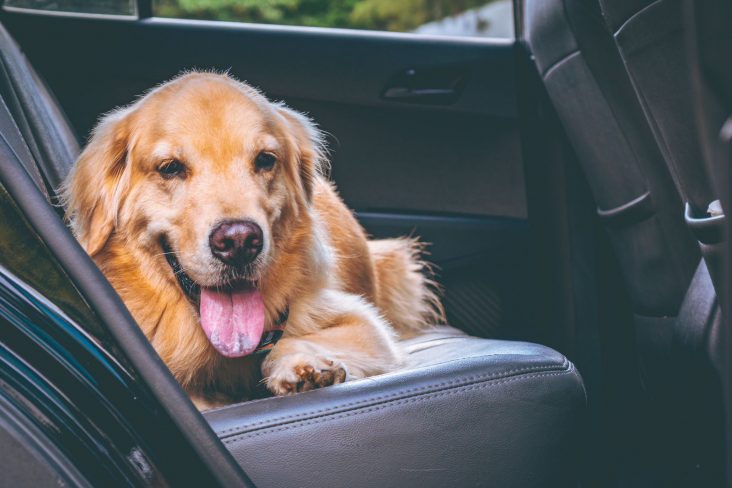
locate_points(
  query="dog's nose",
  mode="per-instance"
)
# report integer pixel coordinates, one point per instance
(236, 241)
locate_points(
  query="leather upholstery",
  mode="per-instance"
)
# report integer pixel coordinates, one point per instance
(635, 193)
(38, 118)
(616, 75)
(650, 38)
(464, 412)
(652, 44)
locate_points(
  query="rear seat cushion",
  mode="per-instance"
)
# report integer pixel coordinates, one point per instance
(464, 412)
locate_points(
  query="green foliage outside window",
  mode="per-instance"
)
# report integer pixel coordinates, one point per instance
(389, 15)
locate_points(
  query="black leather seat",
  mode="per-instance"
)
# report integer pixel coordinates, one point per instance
(707, 26)
(649, 35)
(634, 191)
(466, 412)
(650, 38)
(48, 137)
(636, 152)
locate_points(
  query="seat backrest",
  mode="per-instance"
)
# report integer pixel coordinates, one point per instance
(638, 195)
(650, 36)
(38, 118)
(634, 192)
(709, 43)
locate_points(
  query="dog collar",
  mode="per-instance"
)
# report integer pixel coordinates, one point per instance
(270, 338)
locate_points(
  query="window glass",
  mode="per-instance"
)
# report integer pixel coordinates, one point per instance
(482, 18)
(112, 7)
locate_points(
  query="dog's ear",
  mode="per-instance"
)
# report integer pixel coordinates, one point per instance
(93, 191)
(310, 150)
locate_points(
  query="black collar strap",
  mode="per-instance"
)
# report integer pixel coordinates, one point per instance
(270, 338)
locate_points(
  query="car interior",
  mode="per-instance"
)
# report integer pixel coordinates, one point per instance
(571, 182)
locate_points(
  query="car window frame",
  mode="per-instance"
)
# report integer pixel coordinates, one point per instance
(144, 11)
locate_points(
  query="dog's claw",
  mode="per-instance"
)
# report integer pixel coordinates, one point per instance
(340, 375)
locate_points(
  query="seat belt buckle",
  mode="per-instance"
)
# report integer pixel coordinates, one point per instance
(706, 229)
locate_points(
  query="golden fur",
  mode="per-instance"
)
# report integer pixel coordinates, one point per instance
(348, 297)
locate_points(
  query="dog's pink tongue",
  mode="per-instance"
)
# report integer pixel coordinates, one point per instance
(233, 321)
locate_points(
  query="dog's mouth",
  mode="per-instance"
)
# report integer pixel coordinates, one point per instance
(232, 315)
(191, 289)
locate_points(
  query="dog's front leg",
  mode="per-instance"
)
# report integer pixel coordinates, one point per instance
(340, 337)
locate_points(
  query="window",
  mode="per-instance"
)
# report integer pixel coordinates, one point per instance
(482, 18)
(109, 7)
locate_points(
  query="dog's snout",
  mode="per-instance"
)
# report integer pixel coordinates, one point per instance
(236, 241)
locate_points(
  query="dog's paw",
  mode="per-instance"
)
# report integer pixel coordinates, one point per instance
(301, 372)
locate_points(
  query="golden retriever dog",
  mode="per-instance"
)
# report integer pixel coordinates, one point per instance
(207, 208)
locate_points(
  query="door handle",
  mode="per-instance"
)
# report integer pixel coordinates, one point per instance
(420, 95)
(435, 85)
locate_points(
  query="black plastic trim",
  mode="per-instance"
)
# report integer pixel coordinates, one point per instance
(453, 239)
(34, 440)
(144, 9)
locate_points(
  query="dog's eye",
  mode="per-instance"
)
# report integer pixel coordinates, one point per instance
(265, 161)
(171, 169)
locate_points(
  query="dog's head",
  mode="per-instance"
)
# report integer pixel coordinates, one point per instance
(203, 175)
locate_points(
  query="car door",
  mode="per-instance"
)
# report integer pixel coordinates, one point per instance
(423, 129)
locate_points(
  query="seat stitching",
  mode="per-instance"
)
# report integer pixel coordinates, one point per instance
(559, 61)
(396, 394)
(636, 14)
(418, 399)
(468, 356)
(480, 378)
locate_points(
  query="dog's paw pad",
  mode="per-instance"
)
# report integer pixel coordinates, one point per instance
(312, 378)
(306, 376)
